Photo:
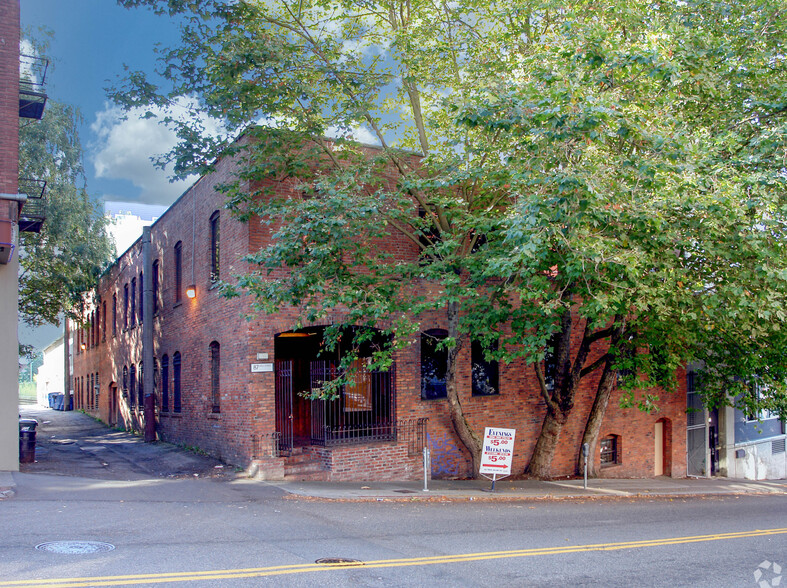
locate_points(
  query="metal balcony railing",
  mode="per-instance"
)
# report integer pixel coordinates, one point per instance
(32, 86)
(33, 213)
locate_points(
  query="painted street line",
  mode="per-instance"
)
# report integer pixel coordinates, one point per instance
(162, 578)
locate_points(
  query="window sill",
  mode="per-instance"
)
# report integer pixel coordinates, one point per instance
(214, 415)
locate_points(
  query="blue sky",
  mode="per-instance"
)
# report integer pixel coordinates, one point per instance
(92, 41)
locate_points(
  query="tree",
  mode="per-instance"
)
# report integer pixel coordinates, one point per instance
(562, 196)
(651, 205)
(62, 262)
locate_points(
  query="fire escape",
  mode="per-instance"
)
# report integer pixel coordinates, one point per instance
(30, 205)
(32, 99)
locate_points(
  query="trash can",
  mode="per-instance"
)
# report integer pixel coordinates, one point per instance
(27, 440)
(59, 401)
(52, 397)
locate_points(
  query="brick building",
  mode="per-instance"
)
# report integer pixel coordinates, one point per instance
(21, 209)
(232, 387)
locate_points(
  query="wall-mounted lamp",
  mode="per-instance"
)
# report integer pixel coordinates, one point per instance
(191, 291)
(82, 346)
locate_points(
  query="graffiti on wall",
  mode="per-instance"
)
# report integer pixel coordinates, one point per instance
(446, 456)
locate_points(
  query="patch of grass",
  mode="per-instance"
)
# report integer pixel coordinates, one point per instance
(27, 391)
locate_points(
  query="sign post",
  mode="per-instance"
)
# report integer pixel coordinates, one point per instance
(497, 454)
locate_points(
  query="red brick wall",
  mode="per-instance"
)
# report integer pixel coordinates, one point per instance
(9, 104)
(247, 403)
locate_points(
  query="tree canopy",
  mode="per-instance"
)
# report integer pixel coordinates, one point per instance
(612, 174)
(59, 265)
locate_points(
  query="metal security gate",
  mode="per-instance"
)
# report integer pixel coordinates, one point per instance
(363, 410)
(696, 430)
(283, 394)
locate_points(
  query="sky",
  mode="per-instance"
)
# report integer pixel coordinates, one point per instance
(92, 40)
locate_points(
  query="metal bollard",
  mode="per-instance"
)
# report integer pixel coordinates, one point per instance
(426, 468)
(585, 451)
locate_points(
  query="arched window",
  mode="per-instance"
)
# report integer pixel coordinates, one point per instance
(132, 386)
(486, 373)
(132, 317)
(215, 365)
(434, 364)
(140, 388)
(178, 271)
(214, 247)
(141, 297)
(611, 450)
(176, 382)
(125, 306)
(165, 384)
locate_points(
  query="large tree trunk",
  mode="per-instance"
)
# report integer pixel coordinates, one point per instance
(593, 426)
(560, 402)
(541, 460)
(596, 416)
(467, 435)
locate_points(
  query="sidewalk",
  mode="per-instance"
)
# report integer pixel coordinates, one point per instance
(73, 444)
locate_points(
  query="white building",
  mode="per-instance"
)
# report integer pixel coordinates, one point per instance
(50, 376)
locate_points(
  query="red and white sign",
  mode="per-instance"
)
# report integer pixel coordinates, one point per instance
(498, 452)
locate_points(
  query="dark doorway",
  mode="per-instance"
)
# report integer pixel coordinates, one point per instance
(359, 410)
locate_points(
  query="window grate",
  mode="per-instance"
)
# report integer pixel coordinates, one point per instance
(777, 446)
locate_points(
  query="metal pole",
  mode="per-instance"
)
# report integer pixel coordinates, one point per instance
(426, 469)
(67, 363)
(585, 451)
(147, 337)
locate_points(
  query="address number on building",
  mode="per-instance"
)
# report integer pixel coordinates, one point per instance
(261, 367)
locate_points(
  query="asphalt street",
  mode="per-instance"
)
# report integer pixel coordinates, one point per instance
(227, 530)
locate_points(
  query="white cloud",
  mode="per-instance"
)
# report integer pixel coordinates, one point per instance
(125, 145)
(360, 134)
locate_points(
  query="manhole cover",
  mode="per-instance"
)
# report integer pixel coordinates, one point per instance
(75, 547)
(342, 561)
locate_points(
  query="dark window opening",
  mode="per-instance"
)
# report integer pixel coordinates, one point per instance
(132, 386)
(550, 361)
(132, 317)
(486, 374)
(215, 365)
(214, 247)
(176, 382)
(434, 364)
(141, 297)
(610, 450)
(114, 315)
(178, 271)
(140, 388)
(125, 306)
(165, 384)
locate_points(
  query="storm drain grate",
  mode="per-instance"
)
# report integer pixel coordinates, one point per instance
(75, 547)
(406, 491)
(340, 561)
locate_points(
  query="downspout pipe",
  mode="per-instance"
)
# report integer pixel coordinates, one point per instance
(148, 376)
